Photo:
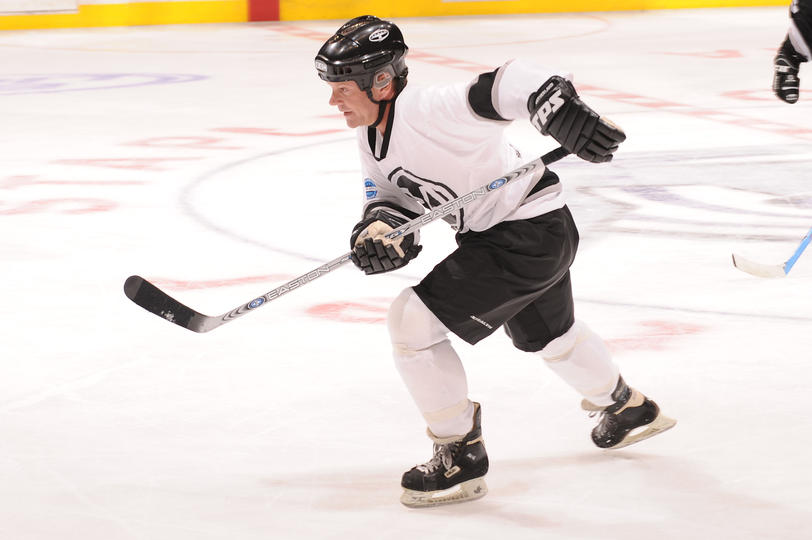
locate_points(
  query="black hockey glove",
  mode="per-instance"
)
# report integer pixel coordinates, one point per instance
(373, 253)
(556, 110)
(786, 83)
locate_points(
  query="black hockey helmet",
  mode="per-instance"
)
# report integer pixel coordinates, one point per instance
(367, 50)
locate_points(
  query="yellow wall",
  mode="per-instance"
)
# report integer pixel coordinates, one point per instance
(291, 10)
(134, 15)
(211, 11)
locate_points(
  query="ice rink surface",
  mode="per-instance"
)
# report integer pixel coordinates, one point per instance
(207, 159)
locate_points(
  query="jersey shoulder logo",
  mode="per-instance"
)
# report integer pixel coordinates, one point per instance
(370, 189)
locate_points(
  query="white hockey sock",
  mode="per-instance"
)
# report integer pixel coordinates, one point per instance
(430, 367)
(436, 380)
(581, 358)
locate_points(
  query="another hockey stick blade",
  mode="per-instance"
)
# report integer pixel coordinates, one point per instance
(154, 300)
(758, 269)
(772, 270)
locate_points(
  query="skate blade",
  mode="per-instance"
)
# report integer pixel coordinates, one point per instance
(660, 424)
(466, 491)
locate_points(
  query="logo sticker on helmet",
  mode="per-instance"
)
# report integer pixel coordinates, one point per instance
(321, 66)
(379, 35)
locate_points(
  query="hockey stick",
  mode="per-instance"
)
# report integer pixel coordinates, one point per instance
(772, 270)
(154, 300)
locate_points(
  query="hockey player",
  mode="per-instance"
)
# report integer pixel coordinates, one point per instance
(793, 51)
(421, 147)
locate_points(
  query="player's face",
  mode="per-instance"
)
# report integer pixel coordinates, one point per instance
(354, 103)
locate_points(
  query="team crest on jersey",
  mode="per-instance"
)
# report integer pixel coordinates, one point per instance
(431, 194)
(370, 188)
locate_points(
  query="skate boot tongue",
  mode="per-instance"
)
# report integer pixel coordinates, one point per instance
(443, 456)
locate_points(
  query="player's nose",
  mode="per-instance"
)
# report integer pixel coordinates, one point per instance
(333, 98)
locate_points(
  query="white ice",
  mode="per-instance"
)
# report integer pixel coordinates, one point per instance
(207, 159)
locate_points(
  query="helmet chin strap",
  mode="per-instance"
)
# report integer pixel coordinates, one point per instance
(382, 103)
(381, 111)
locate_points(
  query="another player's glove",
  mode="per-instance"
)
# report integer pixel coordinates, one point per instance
(786, 83)
(375, 254)
(556, 110)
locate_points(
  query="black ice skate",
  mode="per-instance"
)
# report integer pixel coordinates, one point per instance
(632, 418)
(455, 473)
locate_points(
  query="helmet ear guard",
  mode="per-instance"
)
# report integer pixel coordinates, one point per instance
(383, 77)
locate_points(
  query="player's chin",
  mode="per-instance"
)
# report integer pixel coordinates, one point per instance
(351, 120)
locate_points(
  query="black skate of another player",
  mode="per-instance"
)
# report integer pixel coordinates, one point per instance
(455, 473)
(632, 418)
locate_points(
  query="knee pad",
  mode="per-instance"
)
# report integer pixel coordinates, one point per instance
(412, 326)
(561, 347)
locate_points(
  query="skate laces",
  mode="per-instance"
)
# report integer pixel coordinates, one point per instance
(443, 455)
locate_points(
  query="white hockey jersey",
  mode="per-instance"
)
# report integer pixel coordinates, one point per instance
(437, 148)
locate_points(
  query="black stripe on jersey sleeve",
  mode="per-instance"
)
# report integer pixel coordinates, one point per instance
(480, 97)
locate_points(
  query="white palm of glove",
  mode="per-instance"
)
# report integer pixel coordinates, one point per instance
(377, 230)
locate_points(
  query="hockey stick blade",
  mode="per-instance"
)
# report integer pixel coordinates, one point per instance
(758, 269)
(156, 301)
(772, 270)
